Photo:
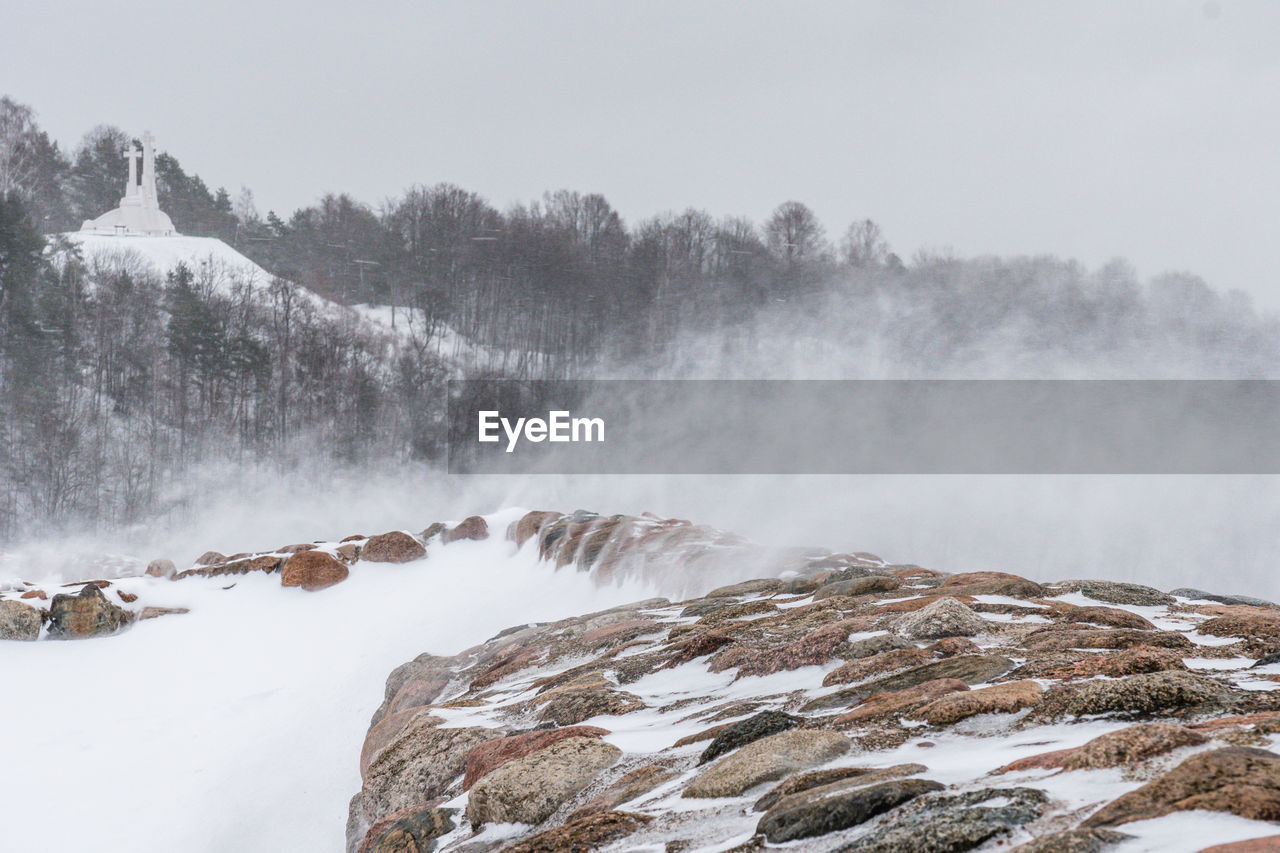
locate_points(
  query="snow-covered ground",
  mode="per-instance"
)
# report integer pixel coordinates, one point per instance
(238, 726)
(165, 253)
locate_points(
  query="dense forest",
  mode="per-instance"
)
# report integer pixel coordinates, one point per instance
(115, 383)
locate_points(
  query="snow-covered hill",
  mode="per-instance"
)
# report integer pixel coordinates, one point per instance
(163, 254)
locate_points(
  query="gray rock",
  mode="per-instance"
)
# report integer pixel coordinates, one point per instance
(529, 789)
(951, 824)
(945, 617)
(858, 586)
(418, 765)
(767, 760)
(741, 733)
(19, 621)
(840, 805)
(865, 648)
(1116, 592)
(1074, 841)
(1201, 595)
(1164, 692)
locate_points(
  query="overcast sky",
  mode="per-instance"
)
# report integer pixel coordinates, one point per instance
(1089, 130)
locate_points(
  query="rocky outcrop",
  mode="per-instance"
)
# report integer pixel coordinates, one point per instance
(530, 788)
(19, 621)
(767, 760)
(313, 570)
(837, 806)
(945, 617)
(1239, 780)
(87, 614)
(394, 547)
(490, 755)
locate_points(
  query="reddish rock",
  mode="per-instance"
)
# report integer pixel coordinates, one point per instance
(34, 593)
(1247, 624)
(900, 701)
(701, 643)
(997, 699)
(475, 528)
(1042, 761)
(816, 647)
(530, 525)
(418, 691)
(582, 833)
(126, 597)
(1267, 844)
(87, 614)
(992, 583)
(1131, 661)
(890, 661)
(235, 566)
(490, 755)
(394, 547)
(312, 570)
(409, 830)
(1112, 617)
(507, 663)
(1235, 779)
(1125, 747)
(210, 558)
(294, 549)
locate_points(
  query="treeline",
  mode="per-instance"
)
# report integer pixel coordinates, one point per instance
(113, 383)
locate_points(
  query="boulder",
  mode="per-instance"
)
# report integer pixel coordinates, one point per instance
(394, 547)
(489, 756)
(475, 528)
(1111, 617)
(419, 764)
(1201, 595)
(864, 668)
(767, 760)
(210, 558)
(998, 699)
(582, 833)
(945, 617)
(1124, 748)
(840, 805)
(818, 778)
(753, 728)
(20, 621)
(1063, 637)
(312, 570)
(897, 702)
(1148, 693)
(161, 568)
(1246, 626)
(1131, 745)
(584, 699)
(1134, 594)
(752, 587)
(952, 823)
(529, 789)
(1131, 661)
(530, 526)
(1240, 780)
(858, 586)
(410, 830)
(87, 614)
(991, 583)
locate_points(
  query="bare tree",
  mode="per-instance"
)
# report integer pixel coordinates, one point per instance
(17, 152)
(794, 234)
(864, 245)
